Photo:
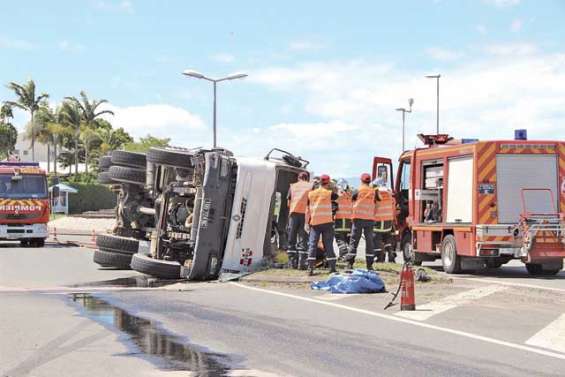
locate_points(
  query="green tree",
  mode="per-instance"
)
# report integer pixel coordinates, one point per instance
(8, 133)
(27, 101)
(87, 136)
(71, 118)
(145, 143)
(112, 139)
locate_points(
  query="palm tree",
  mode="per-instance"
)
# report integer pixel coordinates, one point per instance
(27, 101)
(87, 136)
(71, 117)
(40, 128)
(6, 112)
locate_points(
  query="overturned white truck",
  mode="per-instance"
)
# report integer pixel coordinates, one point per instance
(215, 213)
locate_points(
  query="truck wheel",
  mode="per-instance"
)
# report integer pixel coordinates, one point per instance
(449, 259)
(104, 163)
(132, 159)
(127, 175)
(156, 267)
(117, 244)
(408, 251)
(170, 157)
(104, 178)
(536, 269)
(110, 259)
(37, 242)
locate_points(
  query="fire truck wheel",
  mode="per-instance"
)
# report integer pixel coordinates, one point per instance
(536, 269)
(156, 267)
(135, 160)
(449, 259)
(170, 157)
(117, 244)
(104, 163)
(37, 242)
(408, 251)
(110, 259)
(127, 175)
(104, 178)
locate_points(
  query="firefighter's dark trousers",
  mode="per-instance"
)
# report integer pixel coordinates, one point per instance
(358, 228)
(342, 229)
(326, 232)
(383, 241)
(297, 241)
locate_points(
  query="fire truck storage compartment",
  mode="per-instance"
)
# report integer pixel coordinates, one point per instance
(515, 172)
(460, 190)
(432, 192)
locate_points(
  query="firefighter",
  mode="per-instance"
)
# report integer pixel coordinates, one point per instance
(363, 216)
(322, 206)
(343, 219)
(384, 220)
(297, 237)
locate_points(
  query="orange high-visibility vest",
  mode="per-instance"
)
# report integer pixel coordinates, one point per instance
(384, 210)
(320, 206)
(299, 196)
(364, 206)
(344, 206)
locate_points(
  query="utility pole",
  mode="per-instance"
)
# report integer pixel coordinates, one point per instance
(404, 111)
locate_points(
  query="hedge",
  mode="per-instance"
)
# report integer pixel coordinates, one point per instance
(90, 197)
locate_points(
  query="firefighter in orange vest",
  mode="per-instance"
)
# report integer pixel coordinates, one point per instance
(322, 206)
(342, 223)
(363, 221)
(384, 220)
(297, 237)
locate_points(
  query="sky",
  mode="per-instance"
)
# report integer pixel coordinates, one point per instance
(325, 77)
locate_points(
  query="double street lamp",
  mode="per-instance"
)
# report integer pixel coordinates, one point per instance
(198, 75)
(404, 111)
(437, 111)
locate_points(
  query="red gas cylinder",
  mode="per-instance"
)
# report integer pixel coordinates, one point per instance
(407, 296)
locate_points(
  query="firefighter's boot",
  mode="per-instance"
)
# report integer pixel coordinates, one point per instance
(311, 266)
(369, 261)
(331, 266)
(292, 260)
(302, 260)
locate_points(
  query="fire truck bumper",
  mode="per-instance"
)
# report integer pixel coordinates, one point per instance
(23, 231)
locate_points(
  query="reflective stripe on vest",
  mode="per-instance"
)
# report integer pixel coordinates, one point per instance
(299, 196)
(383, 227)
(344, 206)
(364, 206)
(384, 210)
(320, 207)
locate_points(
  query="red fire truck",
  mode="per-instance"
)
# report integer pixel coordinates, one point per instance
(481, 203)
(24, 203)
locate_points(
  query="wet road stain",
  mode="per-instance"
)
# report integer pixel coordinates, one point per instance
(149, 339)
(130, 282)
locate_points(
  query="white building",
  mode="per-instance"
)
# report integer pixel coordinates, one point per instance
(22, 150)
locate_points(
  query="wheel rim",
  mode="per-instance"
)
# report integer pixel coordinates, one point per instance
(448, 255)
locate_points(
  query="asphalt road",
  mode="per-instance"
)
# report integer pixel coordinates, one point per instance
(233, 329)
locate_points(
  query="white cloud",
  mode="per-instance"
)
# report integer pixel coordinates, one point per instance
(15, 44)
(481, 29)
(223, 57)
(158, 120)
(442, 54)
(516, 25)
(352, 104)
(67, 46)
(502, 3)
(305, 45)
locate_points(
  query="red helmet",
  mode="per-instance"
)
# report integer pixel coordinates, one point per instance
(366, 178)
(324, 179)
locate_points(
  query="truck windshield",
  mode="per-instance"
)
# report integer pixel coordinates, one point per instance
(29, 186)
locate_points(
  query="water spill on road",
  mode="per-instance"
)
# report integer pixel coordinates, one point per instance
(149, 339)
(133, 282)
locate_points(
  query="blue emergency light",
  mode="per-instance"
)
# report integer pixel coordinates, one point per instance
(469, 141)
(521, 134)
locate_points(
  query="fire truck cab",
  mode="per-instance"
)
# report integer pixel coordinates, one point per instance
(482, 203)
(24, 204)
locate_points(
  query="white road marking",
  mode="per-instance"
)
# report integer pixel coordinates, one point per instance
(425, 311)
(336, 296)
(551, 337)
(510, 284)
(390, 317)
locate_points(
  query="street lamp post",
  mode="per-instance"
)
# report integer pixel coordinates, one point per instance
(404, 111)
(198, 75)
(437, 110)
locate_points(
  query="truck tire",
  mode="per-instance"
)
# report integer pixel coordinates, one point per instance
(408, 252)
(117, 244)
(110, 259)
(104, 178)
(449, 259)
(37, 242)
(131, 159)
(536, 269)
(156, 267)
(127, 175)
(104, 163)
(170, 157)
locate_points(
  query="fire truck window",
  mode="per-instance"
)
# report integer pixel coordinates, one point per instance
(405, 178)
(33, 186)
(432, 193)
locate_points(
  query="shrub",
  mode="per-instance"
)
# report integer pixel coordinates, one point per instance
(90, 197)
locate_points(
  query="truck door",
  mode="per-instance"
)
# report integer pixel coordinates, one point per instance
(382, 172)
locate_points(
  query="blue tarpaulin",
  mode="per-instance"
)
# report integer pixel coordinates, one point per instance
(359, 281)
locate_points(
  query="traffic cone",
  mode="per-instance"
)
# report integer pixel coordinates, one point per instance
(407, 297)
